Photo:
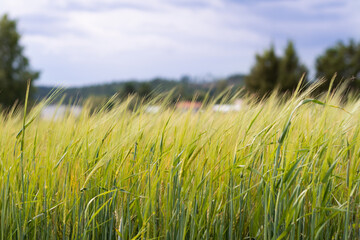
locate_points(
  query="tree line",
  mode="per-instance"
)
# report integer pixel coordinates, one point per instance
(284, 73)
(269, 72)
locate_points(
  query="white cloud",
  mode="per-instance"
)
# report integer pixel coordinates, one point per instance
(92, 40)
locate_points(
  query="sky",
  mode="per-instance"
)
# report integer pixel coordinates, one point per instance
(84, 42)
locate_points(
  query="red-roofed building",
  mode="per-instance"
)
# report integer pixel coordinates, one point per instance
(187, 105)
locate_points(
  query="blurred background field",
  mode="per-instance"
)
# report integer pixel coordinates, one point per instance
(98, 49)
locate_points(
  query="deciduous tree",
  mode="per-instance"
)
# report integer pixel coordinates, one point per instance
(342, 59)
(15, 68)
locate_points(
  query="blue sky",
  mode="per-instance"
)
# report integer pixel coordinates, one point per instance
(86, 42)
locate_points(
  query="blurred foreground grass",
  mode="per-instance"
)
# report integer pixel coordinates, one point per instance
(258, 173)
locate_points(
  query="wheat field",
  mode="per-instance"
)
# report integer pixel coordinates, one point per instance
(275, 169)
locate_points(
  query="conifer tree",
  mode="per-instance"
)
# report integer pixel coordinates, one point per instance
(271, 72)
(264, 74)
(290, 70)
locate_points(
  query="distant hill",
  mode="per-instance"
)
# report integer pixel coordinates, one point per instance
(236, 80)
(186, 88)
